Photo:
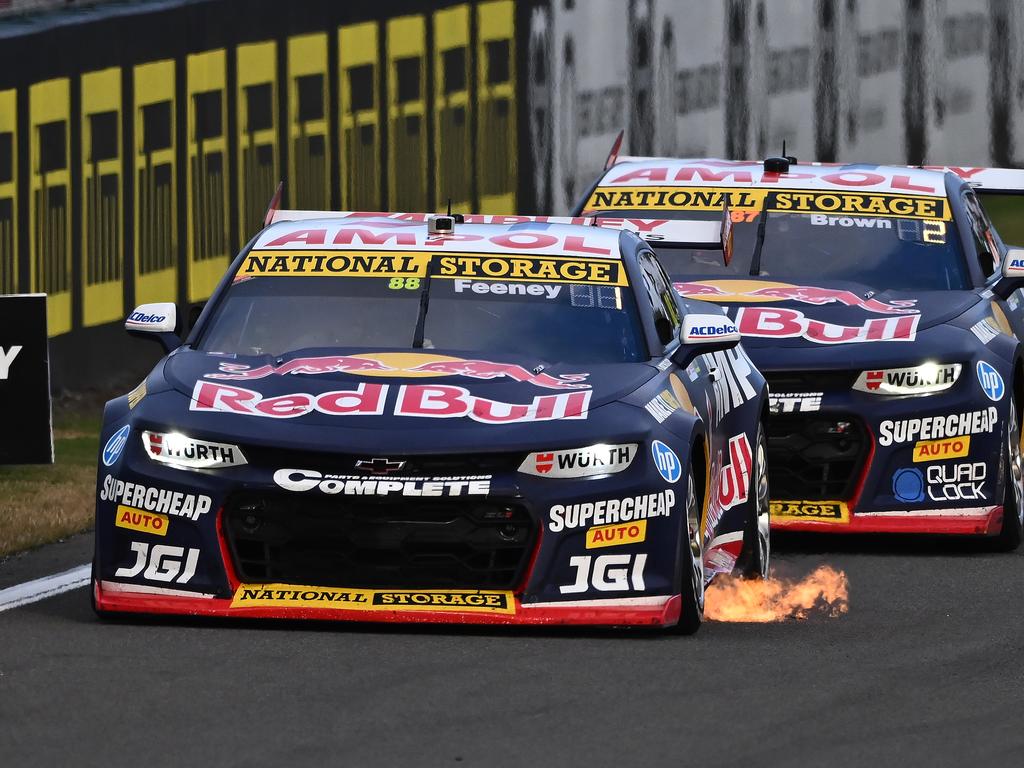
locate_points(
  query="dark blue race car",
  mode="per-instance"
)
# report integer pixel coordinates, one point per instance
(412, 419)
(886, 313)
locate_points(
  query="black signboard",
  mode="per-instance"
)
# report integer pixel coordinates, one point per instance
(26, 435)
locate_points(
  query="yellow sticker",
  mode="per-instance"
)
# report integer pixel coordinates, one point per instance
(937, 450)
(340, 598)
(397, 264)
(815, 511)
(613, 535)
(136, 395)
(655, 198)
(141, 520)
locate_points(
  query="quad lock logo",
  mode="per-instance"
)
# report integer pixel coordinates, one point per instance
(959, 482)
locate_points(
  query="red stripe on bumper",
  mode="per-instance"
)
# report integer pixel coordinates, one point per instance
(665, 614)
(988, 523)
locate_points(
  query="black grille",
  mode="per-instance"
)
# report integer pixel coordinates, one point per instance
(810, 381)
(371, 543)
(429, 464)
(815, 458)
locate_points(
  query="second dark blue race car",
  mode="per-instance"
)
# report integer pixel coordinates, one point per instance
(887, 315)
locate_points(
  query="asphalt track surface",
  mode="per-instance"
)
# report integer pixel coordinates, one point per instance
(925, 669)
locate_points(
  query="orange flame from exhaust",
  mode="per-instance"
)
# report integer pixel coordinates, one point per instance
(824, 592)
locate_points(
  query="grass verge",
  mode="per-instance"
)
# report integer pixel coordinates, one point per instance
(41, 504)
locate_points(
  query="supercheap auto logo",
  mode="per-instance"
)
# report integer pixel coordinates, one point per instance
(449, 601)
(528, 268)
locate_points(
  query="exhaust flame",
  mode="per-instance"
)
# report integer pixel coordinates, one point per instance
(824, 592)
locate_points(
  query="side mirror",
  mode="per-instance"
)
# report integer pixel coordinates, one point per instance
(155, 321)
(1012, 276)
(702, 333)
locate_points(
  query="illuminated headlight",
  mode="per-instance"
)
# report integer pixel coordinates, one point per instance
(184, 452)
(601, 459)
(924, 379)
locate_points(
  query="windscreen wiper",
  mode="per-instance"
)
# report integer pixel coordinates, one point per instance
(755, 261)
(421, 318)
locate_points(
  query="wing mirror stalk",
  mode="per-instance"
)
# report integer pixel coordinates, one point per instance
(702, 334)
(155, 321)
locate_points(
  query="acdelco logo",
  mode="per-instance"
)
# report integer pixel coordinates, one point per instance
(712, 331)
(141, 317)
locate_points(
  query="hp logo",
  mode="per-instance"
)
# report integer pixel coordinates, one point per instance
(666, 461)
(990, 380)
(112, 450)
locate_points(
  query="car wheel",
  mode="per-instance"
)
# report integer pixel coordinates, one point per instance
(1010, 535)
(754, 559)
(691, 559)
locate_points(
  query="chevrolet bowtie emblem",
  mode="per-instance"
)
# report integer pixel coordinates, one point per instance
(379, 466)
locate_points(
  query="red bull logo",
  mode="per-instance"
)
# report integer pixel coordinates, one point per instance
(758, 291)
(784, 323)
(402, 365)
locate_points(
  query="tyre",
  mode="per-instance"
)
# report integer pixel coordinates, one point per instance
(691, 561)
(1012, 532)
(756, 553)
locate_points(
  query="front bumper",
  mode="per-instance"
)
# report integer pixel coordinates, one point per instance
(825, 481)
(653, 611)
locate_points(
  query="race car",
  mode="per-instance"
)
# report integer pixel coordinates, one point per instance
(885, 311)
(426, 419)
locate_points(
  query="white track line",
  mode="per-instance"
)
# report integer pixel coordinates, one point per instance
(48, 586)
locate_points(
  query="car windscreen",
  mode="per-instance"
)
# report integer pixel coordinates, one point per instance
(893, 252)
(582, 314)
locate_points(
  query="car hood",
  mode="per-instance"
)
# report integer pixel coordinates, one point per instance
(410, 400)
(827, 314)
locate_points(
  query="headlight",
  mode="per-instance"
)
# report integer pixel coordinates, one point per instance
(924, 379)
(184, 452)
(600, 459)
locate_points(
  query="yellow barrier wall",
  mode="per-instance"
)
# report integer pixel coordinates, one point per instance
(258, 162)
(407, 113)
(309, 162)
(50, 198)
(453, 154)
(208, 169)
(496, 97)
(102, 276)
(156, 178)
(359, 117)
(8, 191)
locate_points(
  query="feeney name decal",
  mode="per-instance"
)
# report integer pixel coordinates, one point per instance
(150, 499)
(938, 427)
(784, 323)
(292, 596)
(401, 364)
(433, 401)
(824, 511)
(353, 485)
(532, 269)
(606, 512)
(781, 201)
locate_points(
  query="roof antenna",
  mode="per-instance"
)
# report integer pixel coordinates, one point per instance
(792, 160)
(458, 218)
